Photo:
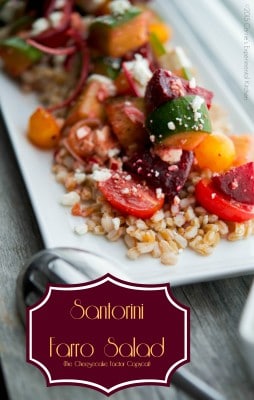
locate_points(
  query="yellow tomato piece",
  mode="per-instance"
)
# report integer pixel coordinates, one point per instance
(216, 152)
(161, 30)
(43, 129)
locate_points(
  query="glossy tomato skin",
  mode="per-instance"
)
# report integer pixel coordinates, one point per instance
(129, 196)
(215, 203)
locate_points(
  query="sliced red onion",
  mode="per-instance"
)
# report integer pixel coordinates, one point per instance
(81, 45)
(134, 114)
(55, 37)
(49, 7)
(52, 50)
(130, 80)
(72, 153)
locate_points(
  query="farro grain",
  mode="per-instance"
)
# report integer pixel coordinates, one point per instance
(133, 253)
(212, 218)
(129, 241)
(179, 219)
(145, 247)
(191, 232)
(168, 258)
(156, 253)
(107, 223)
(180, 240)
(223, 228)
(158, 216)
(114, 235)
(189, 214)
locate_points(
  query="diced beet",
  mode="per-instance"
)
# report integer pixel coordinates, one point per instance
(145, 52)
(237, 183)
(199, 91)
(160, 174)
(164, 86)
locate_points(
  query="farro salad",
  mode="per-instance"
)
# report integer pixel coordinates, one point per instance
(143, 152)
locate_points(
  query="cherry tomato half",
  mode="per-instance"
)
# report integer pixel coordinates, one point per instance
(215, 203)
(130, 196)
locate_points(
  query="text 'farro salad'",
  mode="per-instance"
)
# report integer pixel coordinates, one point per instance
(144, 154)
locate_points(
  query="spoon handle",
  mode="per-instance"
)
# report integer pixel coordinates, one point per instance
(194, 386)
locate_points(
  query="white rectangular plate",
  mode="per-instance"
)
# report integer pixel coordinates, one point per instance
(55, 222)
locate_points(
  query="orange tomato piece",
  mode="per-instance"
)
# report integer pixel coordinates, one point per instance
(122, 84)
(161, 30)
(244, 147)
(216, 152)
(43, 129)
(184, 140)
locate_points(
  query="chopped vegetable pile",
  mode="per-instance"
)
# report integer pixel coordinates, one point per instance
(133, 136)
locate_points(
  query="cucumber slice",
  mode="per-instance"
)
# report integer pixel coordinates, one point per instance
(183, 114)
(111, 21)
(187, 73)
(157, 47)
(18, 45)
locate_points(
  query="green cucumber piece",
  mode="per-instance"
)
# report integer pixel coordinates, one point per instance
(187, 74)
(157, 47)
(19, 45)
(107, 66)
(178, 116)
(111, 21)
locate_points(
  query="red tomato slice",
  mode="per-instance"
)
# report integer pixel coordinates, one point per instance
(216, 203)
(130, 196)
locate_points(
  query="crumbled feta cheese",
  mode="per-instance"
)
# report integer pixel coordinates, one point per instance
(59, 59)
(159, 193)
(140, 71)
(79, 177)
(119, 7)
(197, 115)
(106, 81)
(196, 103)
(55, 17)
(113, 152)
(59, 4)
(192, 83)
(87, 21)
(39, 25)
(213, 195)
(69, 199)
(156, 174)
(171, 126)
(82, 132)
(9, 9)
(234, 185)
(152, 138)
(128, 178)
(125, 191)
(176, 200)
(174, 155)
(116, 223)
(95, 167)
(173, 167)
(100, 175)
(81, 229)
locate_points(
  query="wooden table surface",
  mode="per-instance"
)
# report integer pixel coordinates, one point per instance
(215, 311)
